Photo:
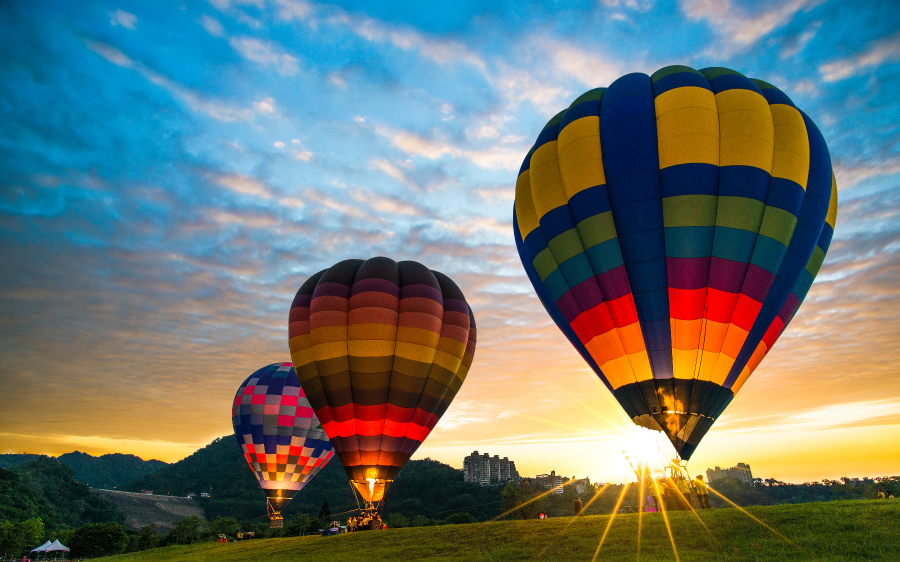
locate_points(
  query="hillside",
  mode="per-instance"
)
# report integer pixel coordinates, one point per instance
(422, 488)
(834, 531)
(143, 509)
(106, 471)
(47, 489)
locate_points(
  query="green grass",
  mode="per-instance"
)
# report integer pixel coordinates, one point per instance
(839, 530)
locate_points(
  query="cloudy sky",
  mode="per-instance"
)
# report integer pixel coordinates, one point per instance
(171, 172)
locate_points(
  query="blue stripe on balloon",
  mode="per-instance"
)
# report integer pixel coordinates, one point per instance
(744, 181)
(589, 202)
(734, 244)
(689, 241)
(630, 154)
(680, 80)
(689, 179)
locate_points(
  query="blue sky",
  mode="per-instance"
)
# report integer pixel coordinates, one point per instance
(170, 173)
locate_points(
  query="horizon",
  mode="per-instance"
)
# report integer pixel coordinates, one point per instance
(171, 176)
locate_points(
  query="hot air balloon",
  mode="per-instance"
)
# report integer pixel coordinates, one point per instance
(380, 348)
(671, 226)
(282, 439)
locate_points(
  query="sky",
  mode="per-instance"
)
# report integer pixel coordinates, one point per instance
(171, 173)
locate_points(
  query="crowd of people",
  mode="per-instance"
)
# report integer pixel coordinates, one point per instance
(367, 519)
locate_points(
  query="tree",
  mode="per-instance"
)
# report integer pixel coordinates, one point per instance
(461, 519)
(298, 525)
(520, 500)
(325, 512)
(185, 531)
(224, 526)
(99, 539)
(147, 537)
(420, 521)
(397, 521)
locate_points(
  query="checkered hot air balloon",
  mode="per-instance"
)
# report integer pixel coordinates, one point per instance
(282, 439)
(671, 225)
(381, 349)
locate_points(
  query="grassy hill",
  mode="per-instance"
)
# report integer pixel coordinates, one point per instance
(833, 531)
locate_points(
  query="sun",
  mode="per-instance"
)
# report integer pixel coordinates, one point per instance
(646, 448)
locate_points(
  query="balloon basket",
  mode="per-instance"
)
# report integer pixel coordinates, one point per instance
(276, 521)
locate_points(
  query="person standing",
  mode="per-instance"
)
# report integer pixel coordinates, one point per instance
(880, 494)
(702, 491)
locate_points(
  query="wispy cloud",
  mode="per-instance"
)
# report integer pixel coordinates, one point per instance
(245, 185)
(734, 25)
(266, 54)
(123, 18)
(212, 26)
(495, 157)
(219, 110)
(883, 50)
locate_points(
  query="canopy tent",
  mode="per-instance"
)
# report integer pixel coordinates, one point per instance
(42, 548)
(56, 547)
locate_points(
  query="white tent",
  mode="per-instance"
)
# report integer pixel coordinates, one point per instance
(56, 547)
(42, 548)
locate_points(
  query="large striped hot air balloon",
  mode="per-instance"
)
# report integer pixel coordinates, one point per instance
(381, 349)
(671, 225)
(282, 440)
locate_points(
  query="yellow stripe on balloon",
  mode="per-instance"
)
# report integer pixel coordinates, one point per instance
(580, 160)
(746, 130)
(546, 181)
(687, 127)
(525, 213)
(791, 157)
(831, 218)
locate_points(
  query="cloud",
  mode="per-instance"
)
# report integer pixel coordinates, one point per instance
(497, 194)
(496, 157)
(393, 171)
(333, 204)
(212, 26)
(883, 50)
(294, 9)
(796, 43)
(636, 5)
(590, 69)
(738, 28)
(245, 185)
(385, 204)
(123, 18)
(219, 110)
(445, 52)
(266, 54)
(849, 175)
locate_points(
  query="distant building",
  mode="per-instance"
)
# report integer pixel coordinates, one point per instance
(581, 485)
(741, 473)
(551, 481)
(487, 470)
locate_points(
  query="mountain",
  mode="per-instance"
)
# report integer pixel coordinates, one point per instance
(423, 487)
(106, 471)
(47, 489)
(109, 471)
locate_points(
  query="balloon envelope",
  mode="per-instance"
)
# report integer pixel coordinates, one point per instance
(282, 439)
(381, 349)
(671, 226)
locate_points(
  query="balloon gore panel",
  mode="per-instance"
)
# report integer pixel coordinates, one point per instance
(671, 226)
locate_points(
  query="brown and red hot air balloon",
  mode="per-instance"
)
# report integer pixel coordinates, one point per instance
(380, 349)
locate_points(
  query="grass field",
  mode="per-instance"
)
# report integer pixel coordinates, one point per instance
(839, 530)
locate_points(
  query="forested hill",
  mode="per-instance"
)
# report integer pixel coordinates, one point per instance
(423, 487)
(106, 471)
(47, 489)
